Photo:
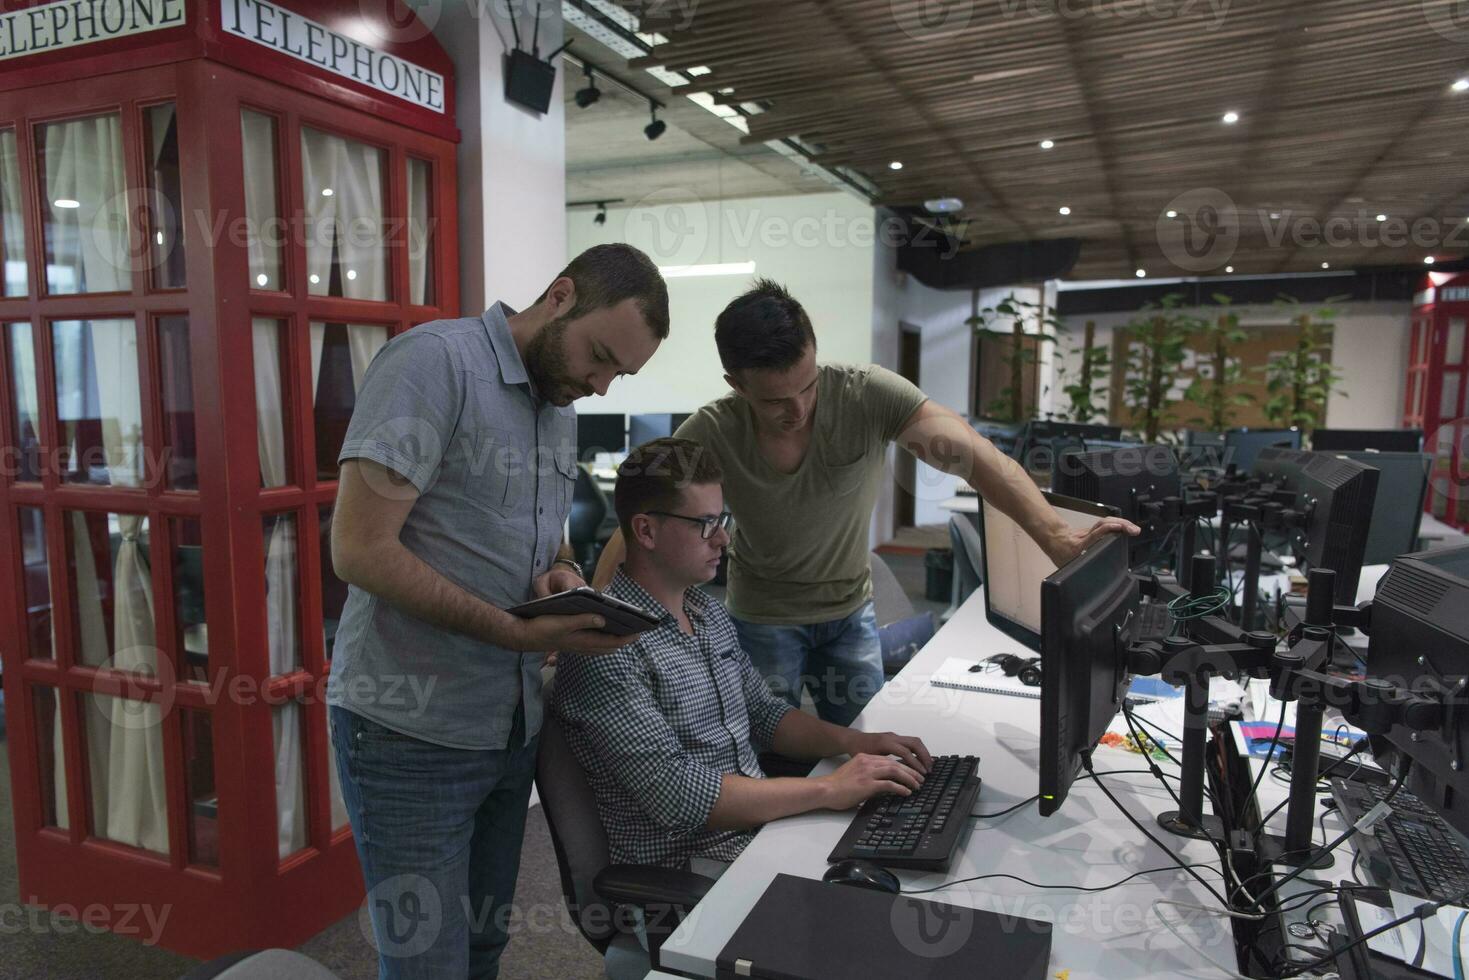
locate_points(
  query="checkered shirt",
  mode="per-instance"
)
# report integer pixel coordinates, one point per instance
(658, 724)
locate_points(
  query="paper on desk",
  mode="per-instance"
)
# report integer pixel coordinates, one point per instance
(1434, 935)
(1168, 715)
(1371, 917)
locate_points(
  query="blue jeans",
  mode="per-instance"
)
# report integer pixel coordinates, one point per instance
(839, 662)
(438, 833)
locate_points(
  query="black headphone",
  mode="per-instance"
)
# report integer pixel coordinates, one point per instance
(1028, 669)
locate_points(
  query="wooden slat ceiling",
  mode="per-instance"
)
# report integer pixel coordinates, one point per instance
(1346, 111)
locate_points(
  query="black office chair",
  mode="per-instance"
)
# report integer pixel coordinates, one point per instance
(599, 894)
(592, 518)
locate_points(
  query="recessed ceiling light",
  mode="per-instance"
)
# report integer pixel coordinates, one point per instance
(262, 279)
(66, 202)
(1462, 85)
(158, 237)
(1229, 268)
(1382, 217)
(943, 205)
(1428, 260)
(1047, 144)
(1141, 273)
(896, 165)
(1326, 265)
(326, 192)
(315, 279)
(1065, 210)
(1274, 215)
(351, 273)
(1172, 213)
(1230, 118)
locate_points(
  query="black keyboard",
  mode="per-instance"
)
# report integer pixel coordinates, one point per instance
(920, 831)
(1412, 850)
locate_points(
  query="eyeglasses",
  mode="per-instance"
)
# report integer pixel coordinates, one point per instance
(707, 525)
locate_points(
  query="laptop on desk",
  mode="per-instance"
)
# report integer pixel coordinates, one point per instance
(811, 930)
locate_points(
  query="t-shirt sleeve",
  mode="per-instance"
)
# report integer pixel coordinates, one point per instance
(889, 399)
(407, 408)
(699, 428)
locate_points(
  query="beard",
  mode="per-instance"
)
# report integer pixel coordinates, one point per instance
(545, 362)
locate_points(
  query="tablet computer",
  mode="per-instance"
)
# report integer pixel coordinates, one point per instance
(623, 618)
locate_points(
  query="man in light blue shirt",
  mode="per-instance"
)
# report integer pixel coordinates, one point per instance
(456, 480)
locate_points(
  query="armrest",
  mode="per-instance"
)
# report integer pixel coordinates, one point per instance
(643, 885)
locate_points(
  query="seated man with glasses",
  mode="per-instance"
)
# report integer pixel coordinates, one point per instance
(667, 728)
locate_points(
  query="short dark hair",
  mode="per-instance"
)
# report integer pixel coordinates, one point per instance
(763, 328)
(654, 475)
(605, 275)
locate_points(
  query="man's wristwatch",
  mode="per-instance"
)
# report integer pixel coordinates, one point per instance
(573, 565)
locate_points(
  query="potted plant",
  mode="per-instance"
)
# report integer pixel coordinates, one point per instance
(1217, 374)
(1008, 319)
(1299, 382)
(1157, 346)
(1085, 385)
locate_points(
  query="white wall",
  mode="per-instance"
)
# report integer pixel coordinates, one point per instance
(1370, 350)
(512, 162)
(946, 360)
(819, 246)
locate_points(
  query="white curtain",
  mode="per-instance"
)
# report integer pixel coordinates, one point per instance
(419, 264)
(93, 650)
(261, 208)
(344, 205)
(280, 575)
(89, 243)
(136, 807)
(12, 231)
(364, 342)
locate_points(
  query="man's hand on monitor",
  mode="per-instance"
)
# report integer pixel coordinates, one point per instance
(909, 749)
(1070, 542)
(865, 776)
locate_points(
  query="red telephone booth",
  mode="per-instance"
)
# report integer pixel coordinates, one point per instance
(1435, 393)
(212, 214)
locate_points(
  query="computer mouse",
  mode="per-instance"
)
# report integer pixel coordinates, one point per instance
(863, 874)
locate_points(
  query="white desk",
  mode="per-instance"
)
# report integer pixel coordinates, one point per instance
(963, 503)
(1103, 934)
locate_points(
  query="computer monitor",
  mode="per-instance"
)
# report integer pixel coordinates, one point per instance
(1359, 440)
(1127, 479)
(1242, 446)
(1087, 609)
(600, 434)
(1420, 642)
(646, 428)
(1041, 441)
(1015, 566)
(1402, 485)
(1338, 496)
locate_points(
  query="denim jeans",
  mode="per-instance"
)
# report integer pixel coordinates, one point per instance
(839, 662)
(438, 833)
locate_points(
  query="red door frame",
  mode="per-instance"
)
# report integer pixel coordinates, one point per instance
(1428, 364)
(253, 898)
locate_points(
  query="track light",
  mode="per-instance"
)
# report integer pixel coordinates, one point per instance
(601, 216)
(589, 95)
(655, 128)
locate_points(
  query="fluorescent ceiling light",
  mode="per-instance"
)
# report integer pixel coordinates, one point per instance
(707, 269)
(66, 202)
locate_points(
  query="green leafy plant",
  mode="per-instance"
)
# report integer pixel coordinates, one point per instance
(1299, 382)
(1008, 319)
(1217, 375)
(1157, 346)
(1086, 385)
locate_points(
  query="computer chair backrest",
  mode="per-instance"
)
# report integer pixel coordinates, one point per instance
(576, 830)
(968, 556)
(890, 603)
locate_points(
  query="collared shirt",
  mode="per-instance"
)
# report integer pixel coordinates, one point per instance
(450, 407)
(659, 723)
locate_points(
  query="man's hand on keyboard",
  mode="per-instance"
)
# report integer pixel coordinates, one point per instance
(908, 748)
(865, 776)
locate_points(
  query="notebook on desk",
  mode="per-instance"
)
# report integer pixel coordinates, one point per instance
(811, 930)
(956, 673)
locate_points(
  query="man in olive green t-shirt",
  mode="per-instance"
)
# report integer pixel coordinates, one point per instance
(803, 447)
